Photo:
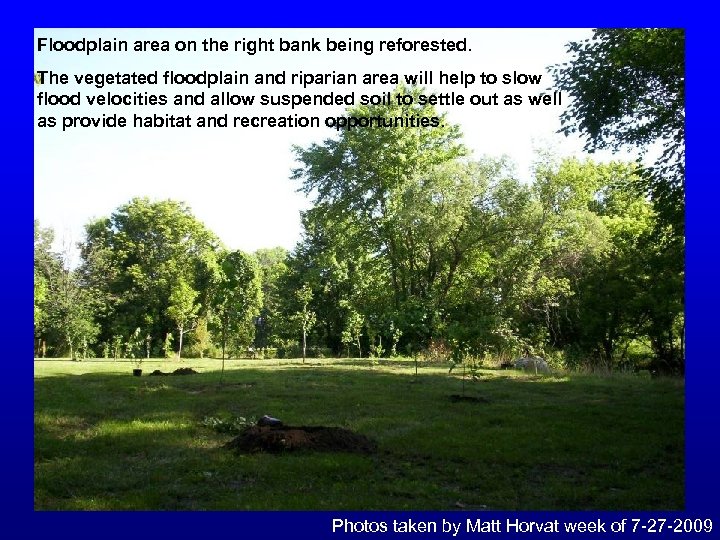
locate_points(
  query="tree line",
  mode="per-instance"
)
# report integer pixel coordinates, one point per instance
(413, 246)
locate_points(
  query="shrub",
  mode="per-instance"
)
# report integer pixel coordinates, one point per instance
(228, 424)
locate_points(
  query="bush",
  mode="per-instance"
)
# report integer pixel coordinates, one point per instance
(196, 350)
(292, 350)
(228, 424)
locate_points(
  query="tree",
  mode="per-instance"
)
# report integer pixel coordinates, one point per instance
(593, 281)
(182, 309)
(69, 309)
(64, 309)
(396, 216)
(135, 259)
(273, 266)
(39, 297)
(305, 317)
(353, 330)
(237, 297)
(337, 271)
(628, 89)
(46, 266)
(203, 338)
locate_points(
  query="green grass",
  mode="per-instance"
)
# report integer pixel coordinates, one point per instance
(107, 440)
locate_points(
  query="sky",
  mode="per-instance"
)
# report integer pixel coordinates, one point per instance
(237, 180)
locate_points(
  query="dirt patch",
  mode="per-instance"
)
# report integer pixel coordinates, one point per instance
(307, 438)
(178, 371)
(456, 398)
(243, 385)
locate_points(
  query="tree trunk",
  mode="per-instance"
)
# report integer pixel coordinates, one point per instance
(180, 329)
(682, 348)
(70, 344)
(304, 344)
(224, 339)
(608, 348)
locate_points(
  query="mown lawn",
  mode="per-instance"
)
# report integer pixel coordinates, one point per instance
(107, 440)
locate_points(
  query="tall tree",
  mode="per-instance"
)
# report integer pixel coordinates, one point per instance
(64, 309)
(273, 266)
(46, 267)
(237, 298)
(369, 186)
(182, 309)
(138, 256)
(69, 307)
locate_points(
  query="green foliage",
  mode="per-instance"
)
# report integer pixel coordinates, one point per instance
(137, 258)
(40, 289)
(628, 89)
(46, 267)
(462, 356)
(365, 184)
(305, 317)
(395, 334)
(202, 339)
(231, 425)
(167, 346)
(182, 309)
(64, 308)
(353, 328)
(236, 299)
(376, 349)
(273, 267)
(117, 346)
(134, 347)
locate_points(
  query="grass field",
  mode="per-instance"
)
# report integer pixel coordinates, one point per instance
(107, 440)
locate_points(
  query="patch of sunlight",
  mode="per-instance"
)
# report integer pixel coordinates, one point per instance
(554, 379)
(62, 426)
(116, 428)
(89, 503)
(150, 388)
(527, 377)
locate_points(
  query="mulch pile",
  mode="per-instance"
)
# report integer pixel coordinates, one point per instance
(178, 371)
(311, 438)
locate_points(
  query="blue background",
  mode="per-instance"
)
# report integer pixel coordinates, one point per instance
(702, 467)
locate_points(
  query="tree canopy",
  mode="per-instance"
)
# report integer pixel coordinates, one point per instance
(628, 89)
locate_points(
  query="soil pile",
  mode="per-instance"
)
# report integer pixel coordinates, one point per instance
(307, 438)
(178, 371)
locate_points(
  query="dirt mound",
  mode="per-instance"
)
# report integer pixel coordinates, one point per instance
(309, 438)
(178, 371)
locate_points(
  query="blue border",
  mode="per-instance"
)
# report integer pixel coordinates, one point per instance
(701, 285)
(702, 244)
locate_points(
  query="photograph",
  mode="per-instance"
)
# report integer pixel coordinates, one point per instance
(360, 269)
